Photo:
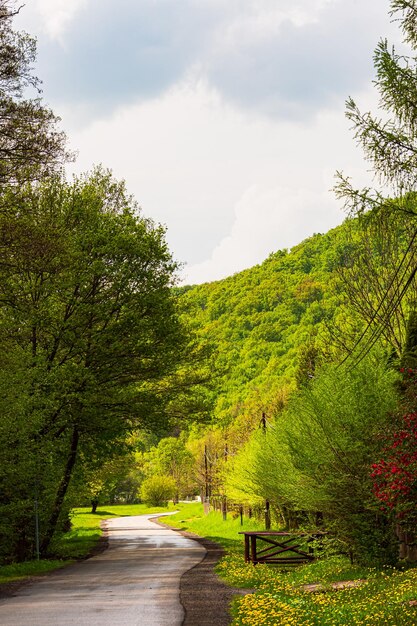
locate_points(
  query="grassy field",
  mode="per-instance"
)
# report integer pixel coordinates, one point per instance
(191, 517)
(382, 597)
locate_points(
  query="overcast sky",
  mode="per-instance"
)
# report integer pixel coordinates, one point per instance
(225, 117)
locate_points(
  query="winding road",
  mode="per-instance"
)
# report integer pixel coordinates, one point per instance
(135, 582)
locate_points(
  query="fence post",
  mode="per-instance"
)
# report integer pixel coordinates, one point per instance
(267, 516)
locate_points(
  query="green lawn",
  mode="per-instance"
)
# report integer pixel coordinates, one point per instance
(191, 517)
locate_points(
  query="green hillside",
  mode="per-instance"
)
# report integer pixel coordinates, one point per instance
(280, 332)
(263, 320)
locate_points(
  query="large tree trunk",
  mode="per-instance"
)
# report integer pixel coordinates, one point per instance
(62, 490)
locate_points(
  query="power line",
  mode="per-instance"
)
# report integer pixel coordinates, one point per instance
(394, 304)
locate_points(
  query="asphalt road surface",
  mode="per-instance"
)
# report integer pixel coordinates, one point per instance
(135, 582)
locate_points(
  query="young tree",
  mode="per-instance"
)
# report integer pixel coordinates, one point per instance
(389, 144)
(157, 490)
(316, 456)
(172, 458)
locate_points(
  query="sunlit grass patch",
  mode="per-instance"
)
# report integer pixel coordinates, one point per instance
(191, 518)
(83, 514)
(19, 571)
(383, 599)
(189, 514)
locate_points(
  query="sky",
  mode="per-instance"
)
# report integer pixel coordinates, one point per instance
(224, 117)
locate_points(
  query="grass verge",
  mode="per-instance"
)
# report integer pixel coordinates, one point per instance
(383, 597)
(191, 518)
(19, 571)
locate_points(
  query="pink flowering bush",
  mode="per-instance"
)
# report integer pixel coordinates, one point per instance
(395, 475)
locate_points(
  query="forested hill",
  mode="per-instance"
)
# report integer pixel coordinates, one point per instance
(266, 321)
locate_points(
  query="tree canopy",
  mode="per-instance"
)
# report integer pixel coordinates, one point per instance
(89, 326)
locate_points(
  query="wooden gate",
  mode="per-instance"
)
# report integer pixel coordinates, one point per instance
(282, 547)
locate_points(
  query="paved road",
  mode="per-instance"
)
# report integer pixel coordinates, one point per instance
(133, 583)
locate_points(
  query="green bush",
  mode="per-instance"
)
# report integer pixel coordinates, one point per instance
(158, 490)
(317, 456)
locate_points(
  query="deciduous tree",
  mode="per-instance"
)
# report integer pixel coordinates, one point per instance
(91, 330)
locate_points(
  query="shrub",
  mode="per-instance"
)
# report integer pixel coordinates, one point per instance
(158, 490)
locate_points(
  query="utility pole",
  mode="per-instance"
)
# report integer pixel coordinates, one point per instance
(267, 506)
(224, 499)
(37, 524)
(206, 479)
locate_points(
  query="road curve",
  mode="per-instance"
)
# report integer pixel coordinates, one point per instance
(135, 582)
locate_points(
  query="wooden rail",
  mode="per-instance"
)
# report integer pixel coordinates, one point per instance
(279, 543)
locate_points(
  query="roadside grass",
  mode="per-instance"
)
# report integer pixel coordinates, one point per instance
(19, 571)
(191, 518)
(78, 543)
(381, 598)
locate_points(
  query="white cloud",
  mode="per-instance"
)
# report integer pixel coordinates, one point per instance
(266, 220)
(281, 58)
(252, 21)
(284, 67)
(231, 187)
(57, 15)
(176, 106)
